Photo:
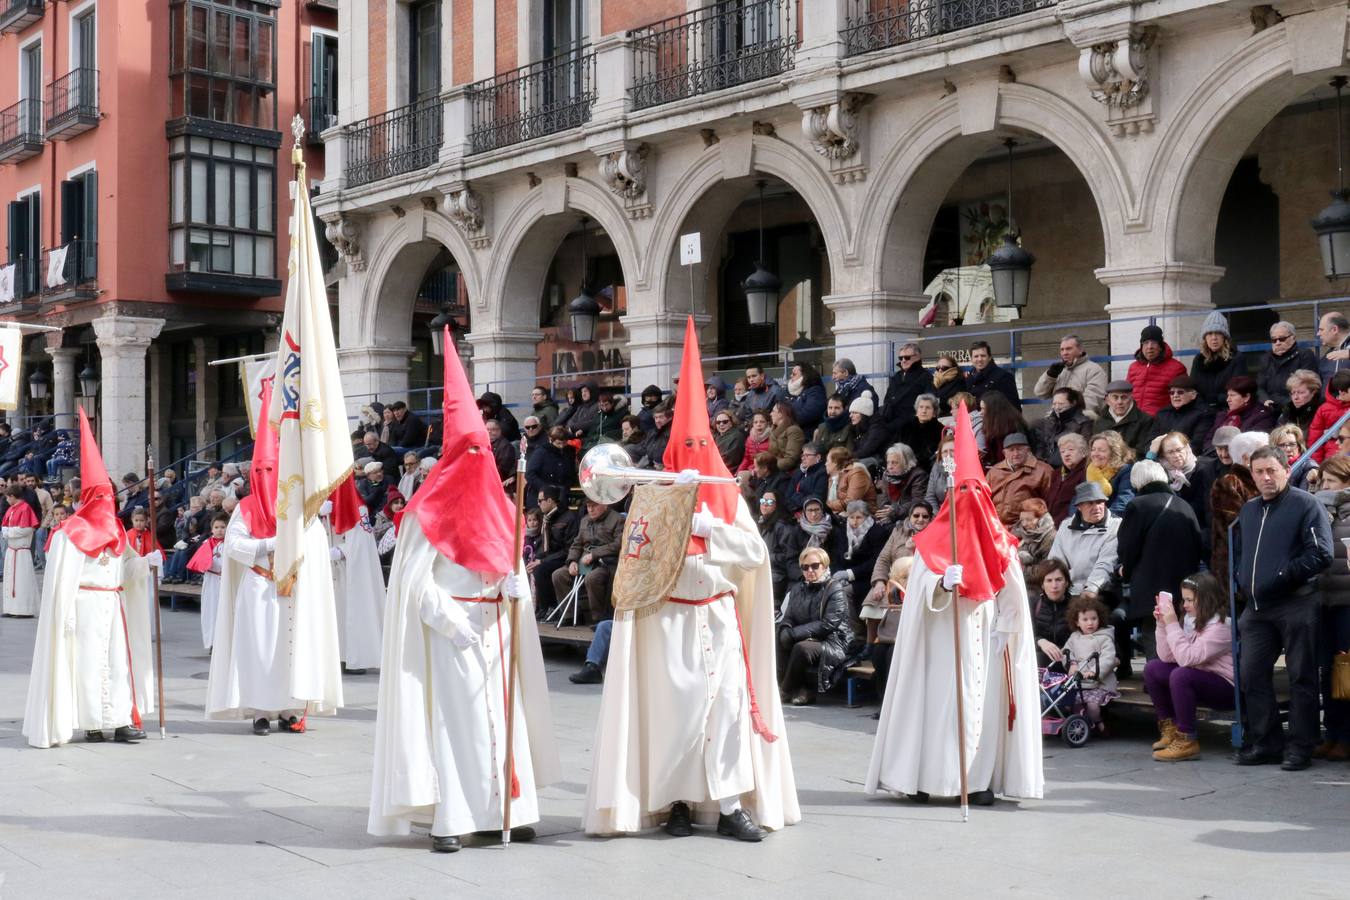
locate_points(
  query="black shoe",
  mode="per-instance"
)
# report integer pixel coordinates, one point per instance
(740, 826)
(291, 725)
(128, 734)
(93, 737)
(918, 796)
(679, 824)
(981, 798)
(347, 671)
(448, 844)
(1295, 761)
(589, 673)
(1253, 757)
(521, 834)
(262, 726)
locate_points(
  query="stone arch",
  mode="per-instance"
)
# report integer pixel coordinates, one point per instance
(396, 270)
(691, 202)
(529, 238)
(1216, 124)
(913, 179)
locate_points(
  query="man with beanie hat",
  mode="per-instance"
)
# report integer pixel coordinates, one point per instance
(1184, 412)
(1217, 363)
(92, 667)
(1152, 370)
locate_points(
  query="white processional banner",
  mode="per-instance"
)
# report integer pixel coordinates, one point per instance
(11, 364)
(253, 375)
(56, 266)
(307, 405)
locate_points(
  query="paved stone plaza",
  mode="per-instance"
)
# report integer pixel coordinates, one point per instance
(216, 812)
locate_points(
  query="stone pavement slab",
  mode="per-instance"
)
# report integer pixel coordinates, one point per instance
(215, 812)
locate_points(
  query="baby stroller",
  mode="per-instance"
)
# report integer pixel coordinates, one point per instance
(1062, 709)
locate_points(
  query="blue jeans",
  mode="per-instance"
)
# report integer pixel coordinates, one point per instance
(176, 567)
(597, 654)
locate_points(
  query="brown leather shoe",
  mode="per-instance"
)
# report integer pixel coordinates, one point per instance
(1339, 752)
(1322, 749)
(1168, 731)
(1183, 748)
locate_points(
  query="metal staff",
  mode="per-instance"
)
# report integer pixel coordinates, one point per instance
(154, 587)
(512, 617)
(950, 466)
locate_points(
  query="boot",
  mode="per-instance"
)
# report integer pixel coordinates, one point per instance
(1182, 748)
(804, 697)
(1168, 731)
(1339, 752)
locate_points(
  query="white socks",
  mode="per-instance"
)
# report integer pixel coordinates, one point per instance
(729, 805)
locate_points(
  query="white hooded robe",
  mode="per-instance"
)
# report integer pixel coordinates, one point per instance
(358, 586)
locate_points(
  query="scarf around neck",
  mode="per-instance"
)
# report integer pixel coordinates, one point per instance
(855, 535)
(818, 531)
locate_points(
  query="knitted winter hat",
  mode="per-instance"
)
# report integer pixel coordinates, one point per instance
(862, 405)
(1215, 323)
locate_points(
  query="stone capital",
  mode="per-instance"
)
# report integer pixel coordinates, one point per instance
(125, 334)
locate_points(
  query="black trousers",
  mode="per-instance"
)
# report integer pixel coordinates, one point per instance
(795, 665)
(1287, 626)
(545, 597)
(881, 662)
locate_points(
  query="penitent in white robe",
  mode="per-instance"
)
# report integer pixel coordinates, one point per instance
(273, 654)
(19, 592)
(211, 597)
(358, 586)
(94, 609)
(440, 733)
(916, 742)
(674, 718)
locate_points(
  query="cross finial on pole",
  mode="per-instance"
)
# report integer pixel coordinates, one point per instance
(298, 128)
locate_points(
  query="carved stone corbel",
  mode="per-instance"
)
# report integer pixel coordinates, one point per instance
(834, 131)
(464, 207)
(624, 171)
(1117, 73)
(344, 233)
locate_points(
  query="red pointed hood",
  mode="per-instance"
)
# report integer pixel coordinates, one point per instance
(347, 505)
(691, 444)
(983, 546)
(461, 506)
(259, 508)
(95, 526)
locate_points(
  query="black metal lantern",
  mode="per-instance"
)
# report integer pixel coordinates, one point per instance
(1010, 265)
(438, 325)
(89, 381)
(584, 309)
(39, 385)
(1332, 224)
(761, 288)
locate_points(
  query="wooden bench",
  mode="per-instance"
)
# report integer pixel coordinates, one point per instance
(857, 675)
(568, 635)
(176, 592)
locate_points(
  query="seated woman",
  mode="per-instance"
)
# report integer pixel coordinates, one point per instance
(1048, 607)
(1194, 665)
(1035, 529)
(849, 481)
(813, 629)
(777, 530)
(858, 544)
(902, 483)
(812, 530)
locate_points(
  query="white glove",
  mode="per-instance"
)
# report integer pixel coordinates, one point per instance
(325, 507)
(687, 476)
(464, 638)
(155, 559)
(334, 553)
(703, 521)
(952, 577)
(997, 643)
(269, 545)
(181, 545)
(513, 585)
(848, 574)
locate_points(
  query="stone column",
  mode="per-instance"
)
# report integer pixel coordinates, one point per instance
(655, 345)
(64, 362)
(206, 398)
(373, 373)
(866, 325)
(505, 363)
(122, 344)
(1155, 290)
(821, 24)
(161, 394)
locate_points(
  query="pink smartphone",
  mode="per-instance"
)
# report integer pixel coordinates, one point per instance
(1164, 597)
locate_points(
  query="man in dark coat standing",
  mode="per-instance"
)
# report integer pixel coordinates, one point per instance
(490, 405)
(1282, 543)
(909, 381)
(985, 375)
(407, 430)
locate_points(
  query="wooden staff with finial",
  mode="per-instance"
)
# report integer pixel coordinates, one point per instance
(512, 618)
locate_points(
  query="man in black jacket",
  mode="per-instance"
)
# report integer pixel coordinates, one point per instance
(810, 479)
(555, 539)
(1185, 413)
(407, 430)
(490, 405)
(985, 375)
(909, 381)
(1282, 543)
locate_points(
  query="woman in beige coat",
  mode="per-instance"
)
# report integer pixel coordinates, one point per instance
(785, 437)
(849, 481)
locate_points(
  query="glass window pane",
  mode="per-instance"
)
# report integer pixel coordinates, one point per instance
(222, 148)
(201, 145)
(222, 257)
(197, 191)
(221, 209)
(220, 43)
(262, 69)
(243, 197)
(176, 190)
(243, 151)
(199, 251)
(243, 254)
(263, 257)
(177, 246)
(197, 37)
(264, 154)
(241, 50)
(265, 199)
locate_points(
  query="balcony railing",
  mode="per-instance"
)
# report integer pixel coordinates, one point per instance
(320, 115)
(27, 281)
(77, 271)
(72, 104)
(16, 15)
(542, 98)
(394, 142)
(874, 24)
(716, 47)
(21, 131)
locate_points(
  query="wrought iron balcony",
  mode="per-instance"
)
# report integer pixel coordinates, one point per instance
(320, 115)
(542, 98)
(16, 15)
(401, 140)
(322, 4)
(874, 24)
(27, 280)
(21, 131)
(719, 46)
(72, 104)
(74, 277)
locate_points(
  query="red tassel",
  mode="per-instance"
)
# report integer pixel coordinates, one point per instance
(136, 717)
(1007, 680)
(757, 723)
